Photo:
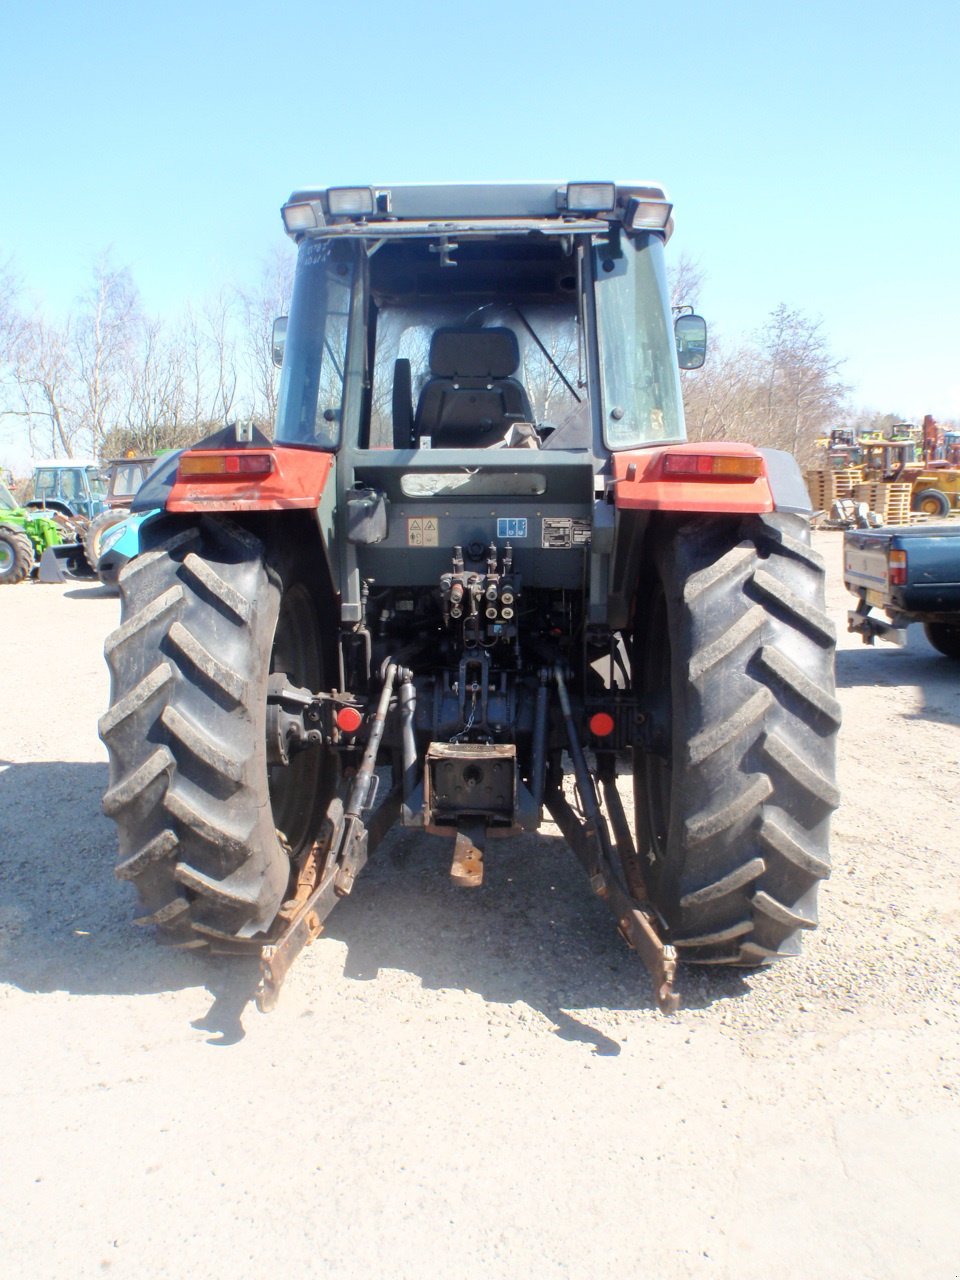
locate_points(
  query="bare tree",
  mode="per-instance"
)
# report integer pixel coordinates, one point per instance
(45, 388)
(259, 307)
(802, 394)
(221, 344)
(153, 412)
(686, 279)
(11, 321)
(718, 398)
(782, 390)
(105, 334)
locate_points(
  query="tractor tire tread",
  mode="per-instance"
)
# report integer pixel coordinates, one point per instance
(233, 601)
(223, 677)
(188, 781)
(744, 842)
(132, 702)
(160, 847)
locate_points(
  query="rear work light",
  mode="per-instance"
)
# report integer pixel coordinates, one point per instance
(350, 201)
(225, 466)
(591, 197)
(648, 214)
(712, 466)
(897, 568)
(300, 217)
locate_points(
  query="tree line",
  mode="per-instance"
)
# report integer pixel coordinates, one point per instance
(781, 387)
(110, 378)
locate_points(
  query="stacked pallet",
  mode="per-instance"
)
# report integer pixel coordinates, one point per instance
(889, 499)
(826, 486)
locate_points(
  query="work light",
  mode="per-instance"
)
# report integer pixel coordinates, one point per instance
(300, 217)
(648, 213)
(353, 201)
(591, 197)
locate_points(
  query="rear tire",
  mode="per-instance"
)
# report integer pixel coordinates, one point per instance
(945, 638)
(16, 556)
(198, 816)
(734, 660)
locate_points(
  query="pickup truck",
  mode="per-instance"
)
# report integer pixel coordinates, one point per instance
(913, 575)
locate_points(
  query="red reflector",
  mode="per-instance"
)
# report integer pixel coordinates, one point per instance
(349, 719)
(602, 724)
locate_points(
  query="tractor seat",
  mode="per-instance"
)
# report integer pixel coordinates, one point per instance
(471, 399)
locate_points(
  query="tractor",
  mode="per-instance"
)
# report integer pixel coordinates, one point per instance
(76, 487)
(71, 493)
(478, 579)
(124, 477)
(27, 535)
(935, 485)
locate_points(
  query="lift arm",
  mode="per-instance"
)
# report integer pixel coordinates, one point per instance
(335, 860)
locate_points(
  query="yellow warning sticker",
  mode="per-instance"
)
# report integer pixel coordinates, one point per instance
(423, 531)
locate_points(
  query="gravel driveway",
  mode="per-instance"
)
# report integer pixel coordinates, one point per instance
(476, 1083)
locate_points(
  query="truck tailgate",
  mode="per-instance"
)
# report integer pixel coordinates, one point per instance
(931, 570)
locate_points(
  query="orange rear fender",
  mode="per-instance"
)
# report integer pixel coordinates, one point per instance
(717, 477)
(295, 480)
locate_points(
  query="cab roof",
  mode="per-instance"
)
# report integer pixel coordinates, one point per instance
(483, 207)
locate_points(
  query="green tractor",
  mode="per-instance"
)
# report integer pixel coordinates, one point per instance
(24, 536)
(38, 539)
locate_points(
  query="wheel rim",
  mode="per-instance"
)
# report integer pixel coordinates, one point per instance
(297, 788)
(934, 504)
(6, 559)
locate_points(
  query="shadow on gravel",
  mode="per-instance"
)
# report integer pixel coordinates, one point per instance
(65, 921)
(91, 591)
(533, 934)
(918, 665)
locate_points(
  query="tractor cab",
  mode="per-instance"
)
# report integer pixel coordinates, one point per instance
(889, 459)
(74, 487)
(538, 321)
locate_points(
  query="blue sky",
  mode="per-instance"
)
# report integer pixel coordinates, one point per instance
(813, 153)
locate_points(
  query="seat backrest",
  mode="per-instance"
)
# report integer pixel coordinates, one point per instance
(471, 399)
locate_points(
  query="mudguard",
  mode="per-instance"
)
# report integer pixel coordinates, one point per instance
(296, 482)
(642, 481)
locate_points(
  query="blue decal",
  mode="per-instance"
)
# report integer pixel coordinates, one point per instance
(512, 527)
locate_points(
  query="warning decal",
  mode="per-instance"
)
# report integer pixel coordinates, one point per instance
(423, 531)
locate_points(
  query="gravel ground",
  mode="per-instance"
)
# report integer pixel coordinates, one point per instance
(463, 1083)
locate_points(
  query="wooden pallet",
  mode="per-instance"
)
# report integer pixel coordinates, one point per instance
(889, 499)
(826, 486)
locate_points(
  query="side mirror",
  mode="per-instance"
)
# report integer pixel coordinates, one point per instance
(279, 339)
(691, 336)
